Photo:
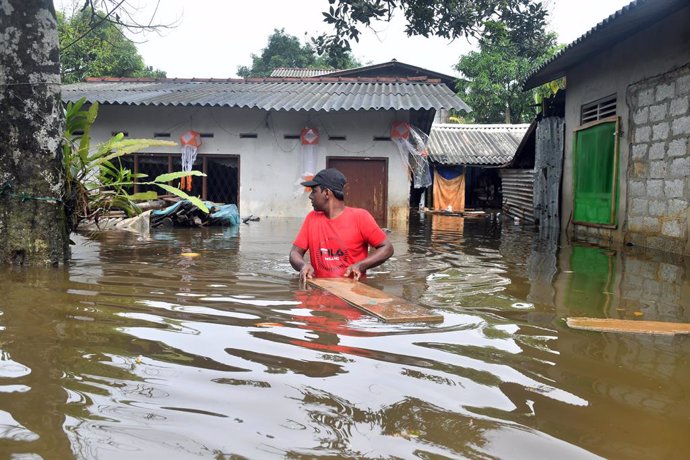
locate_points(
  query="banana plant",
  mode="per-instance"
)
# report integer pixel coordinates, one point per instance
(95, 181)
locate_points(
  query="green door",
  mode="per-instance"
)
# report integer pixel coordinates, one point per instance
(595, 168)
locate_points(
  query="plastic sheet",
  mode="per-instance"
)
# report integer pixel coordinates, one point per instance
(414, 154)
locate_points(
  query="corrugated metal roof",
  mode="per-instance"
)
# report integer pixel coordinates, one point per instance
(394, 68)
(491, 145)
(622, 24)
(320, 93)
(298, 72)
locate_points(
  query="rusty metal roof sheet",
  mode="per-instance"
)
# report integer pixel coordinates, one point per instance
(490, 145)
(298, 72)
(622, 24)
(319, 93)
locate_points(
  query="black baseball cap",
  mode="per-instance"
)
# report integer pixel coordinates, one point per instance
(330, 178)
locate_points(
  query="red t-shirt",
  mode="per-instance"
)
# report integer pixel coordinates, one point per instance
(335, 244)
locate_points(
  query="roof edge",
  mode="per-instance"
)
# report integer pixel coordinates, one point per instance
(391, 63)
(611, 29)
(319, 79)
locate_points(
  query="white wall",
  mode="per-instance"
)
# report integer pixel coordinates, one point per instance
(269, 164)
(651, 52)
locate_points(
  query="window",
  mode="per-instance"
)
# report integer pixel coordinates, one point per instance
(161, 135)
(248, 135)
(595, 171)
(337, 138)
(221, 184)
(598, 110)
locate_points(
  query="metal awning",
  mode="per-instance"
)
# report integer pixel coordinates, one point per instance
(489, 145)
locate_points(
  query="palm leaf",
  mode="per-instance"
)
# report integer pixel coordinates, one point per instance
(167, 177)
(176, 191)
(143, 196)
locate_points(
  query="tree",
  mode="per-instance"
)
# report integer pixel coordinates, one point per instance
(443, 18)
(492, 77)
(33, 223)
(285, 50)
(32, 216)
(510, 32)
(90, 46)
(282, 50)
(119, 13)
(337, 59)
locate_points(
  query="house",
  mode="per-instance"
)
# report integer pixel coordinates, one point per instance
(395, 69)
(261, 136)
(466, 161)
(392, 68)
(626, 164)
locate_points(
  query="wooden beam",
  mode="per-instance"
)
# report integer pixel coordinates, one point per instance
(374, 301)
(628, 326)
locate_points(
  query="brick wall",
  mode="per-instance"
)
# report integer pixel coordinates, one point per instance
(658, 173)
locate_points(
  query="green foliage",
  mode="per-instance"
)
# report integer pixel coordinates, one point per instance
(95, 179)
(90, 47)
(337, 59)
(548, 90)
(492, 77)
(443, 18)
(285, 50)
(457, 119)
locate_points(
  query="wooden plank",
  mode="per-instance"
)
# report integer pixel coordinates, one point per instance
(628, 326)
(374, 301)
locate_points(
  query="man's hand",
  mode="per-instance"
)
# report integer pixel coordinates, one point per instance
(379, 255)
(354, 271)
(306, 273)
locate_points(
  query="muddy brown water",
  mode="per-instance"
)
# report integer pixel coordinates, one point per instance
(134, 351)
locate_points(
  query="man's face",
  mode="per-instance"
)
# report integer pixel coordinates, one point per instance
(318, 198)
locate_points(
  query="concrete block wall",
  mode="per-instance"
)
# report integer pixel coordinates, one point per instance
(658, 176)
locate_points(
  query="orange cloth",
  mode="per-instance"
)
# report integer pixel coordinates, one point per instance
(449, 192)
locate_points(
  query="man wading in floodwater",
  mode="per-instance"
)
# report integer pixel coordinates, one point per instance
(337, 236)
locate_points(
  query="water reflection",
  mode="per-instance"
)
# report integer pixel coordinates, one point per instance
(138, 350)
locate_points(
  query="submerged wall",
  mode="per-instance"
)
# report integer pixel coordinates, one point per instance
(639, 72)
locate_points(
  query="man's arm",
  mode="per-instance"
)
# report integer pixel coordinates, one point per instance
(306, 271)
(379, 255)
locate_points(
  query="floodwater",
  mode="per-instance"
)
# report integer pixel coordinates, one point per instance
(134, 351)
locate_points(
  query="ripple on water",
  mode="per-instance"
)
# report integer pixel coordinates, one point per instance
(224, 354)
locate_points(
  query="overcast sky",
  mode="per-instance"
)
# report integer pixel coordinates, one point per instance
(214, 37)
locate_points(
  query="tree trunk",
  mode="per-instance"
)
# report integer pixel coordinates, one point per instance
(32, 215)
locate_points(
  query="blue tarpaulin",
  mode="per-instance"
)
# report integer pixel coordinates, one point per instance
(226, 214)
(183, 213)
